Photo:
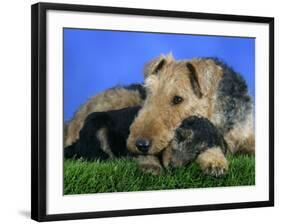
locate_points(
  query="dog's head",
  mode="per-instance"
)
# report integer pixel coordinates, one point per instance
(175, 90)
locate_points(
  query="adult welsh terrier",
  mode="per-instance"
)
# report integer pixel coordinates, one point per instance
(204, 87)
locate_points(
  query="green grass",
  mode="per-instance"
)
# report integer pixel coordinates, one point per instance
(81, 177)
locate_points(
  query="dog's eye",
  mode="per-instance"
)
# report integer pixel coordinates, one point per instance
(177, 100)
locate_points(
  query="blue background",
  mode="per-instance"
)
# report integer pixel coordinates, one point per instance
(95, 60)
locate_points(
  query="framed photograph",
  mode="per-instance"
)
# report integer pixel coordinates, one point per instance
(140, 111)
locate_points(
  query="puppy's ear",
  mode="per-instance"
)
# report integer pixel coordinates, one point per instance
(184, 134)
(193, 77)
(156, 65)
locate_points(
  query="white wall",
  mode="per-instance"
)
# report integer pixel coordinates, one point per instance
(15, 109)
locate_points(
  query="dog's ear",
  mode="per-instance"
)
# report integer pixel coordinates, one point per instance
(193, 77)
(184, 134)
(207, 73)
(156, 65)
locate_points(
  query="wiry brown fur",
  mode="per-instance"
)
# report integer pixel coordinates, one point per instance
(197, 82)
(112, 99)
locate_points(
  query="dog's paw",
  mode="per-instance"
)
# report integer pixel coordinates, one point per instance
(151, 168)
(215, 171)
(213, 162)
(149, 164)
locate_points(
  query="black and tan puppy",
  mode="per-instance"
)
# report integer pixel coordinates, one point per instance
(195, 137)
(103, 135)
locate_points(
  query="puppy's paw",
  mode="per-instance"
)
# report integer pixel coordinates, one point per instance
(213, 162)
(151, 168)
(215, 171)
(149, 164)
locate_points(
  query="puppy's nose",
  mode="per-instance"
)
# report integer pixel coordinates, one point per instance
(143, 145)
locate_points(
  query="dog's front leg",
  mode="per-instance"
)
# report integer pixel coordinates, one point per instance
(213, 162)
(167, 156)
(149, 164)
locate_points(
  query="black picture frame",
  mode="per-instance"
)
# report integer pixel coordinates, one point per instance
(38, 115)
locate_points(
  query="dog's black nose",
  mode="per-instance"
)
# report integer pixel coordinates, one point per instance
(142, 145)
